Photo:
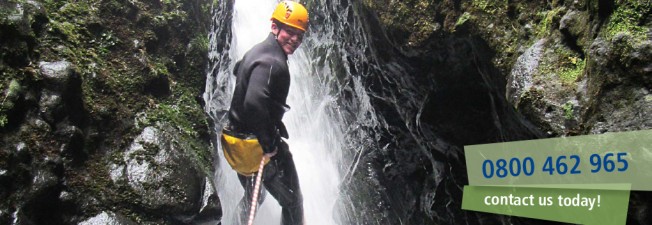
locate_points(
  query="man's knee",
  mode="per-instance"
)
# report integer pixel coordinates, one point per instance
(292, 201)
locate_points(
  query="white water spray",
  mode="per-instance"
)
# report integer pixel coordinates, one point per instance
(315, 139)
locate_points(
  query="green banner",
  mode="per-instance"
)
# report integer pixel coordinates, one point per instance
(581, 179)
(624, 157)
(581, 206)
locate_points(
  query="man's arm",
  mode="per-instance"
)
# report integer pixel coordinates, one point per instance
(256, 106)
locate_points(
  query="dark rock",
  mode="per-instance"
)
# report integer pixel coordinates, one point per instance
(158, 86)
(604, 8)
(641, 212)
(72, 139)
(56, 77)
(45, 188)
(108, 218)
(51, 106)
(44, 180)
(17, 24)
(62, 96)
(47, 47)
(66, 197)
(611, 115)
(600, 50)
(22, 154)
(5, 218)
(35, 124)
(19, 218)
(211, 210)
(621, 83)
(574, 25)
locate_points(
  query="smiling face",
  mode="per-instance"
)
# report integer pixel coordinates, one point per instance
(289, 38)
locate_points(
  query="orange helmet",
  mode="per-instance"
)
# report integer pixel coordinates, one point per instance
(292, 14)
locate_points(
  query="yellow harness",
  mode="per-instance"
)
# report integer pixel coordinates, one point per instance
(242, 151)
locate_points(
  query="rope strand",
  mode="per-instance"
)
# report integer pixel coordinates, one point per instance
(254, 200)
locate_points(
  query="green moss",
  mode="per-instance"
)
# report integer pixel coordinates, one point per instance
(463, 18)
(68, 30)
(12, 91)
(201, 43)
(3, 120)
(548, 18)
(627, 19)
(571, 73)
(97, 37)
(489, 6)
(107, 40)
(564, 64)
(181, 111)
(568, 110)
(159, 68)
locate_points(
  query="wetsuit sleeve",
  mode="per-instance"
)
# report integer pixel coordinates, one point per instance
(257, 106)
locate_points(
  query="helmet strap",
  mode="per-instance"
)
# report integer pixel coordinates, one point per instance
(279, 27)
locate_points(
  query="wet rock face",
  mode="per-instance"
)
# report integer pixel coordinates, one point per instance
(61, 95)
(621, 83)
(18, 20)
(564, 68)
(536, 90)
(211, 209)
(520, 79)
(155, 168)
(72, 81)
(429, 103)
(107, 218)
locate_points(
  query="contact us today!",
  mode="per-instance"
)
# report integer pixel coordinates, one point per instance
(563, 201)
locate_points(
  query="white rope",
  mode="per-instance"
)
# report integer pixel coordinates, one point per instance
(254, 200)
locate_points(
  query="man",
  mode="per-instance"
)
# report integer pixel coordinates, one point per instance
(257, 108)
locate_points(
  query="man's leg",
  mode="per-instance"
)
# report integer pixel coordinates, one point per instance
(282, 182)
(244, 207)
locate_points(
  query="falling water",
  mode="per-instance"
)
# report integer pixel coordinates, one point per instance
(376, 135)
(313, 123)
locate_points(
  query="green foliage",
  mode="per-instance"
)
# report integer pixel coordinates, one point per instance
(463, 18)
(159, 68)
(570, 74)
(106, 41)
(181, 112)
(201, 43)
(566, 64)
(11, 93)
(68, 30)
(14, 89)
(627, 17)
(172, 12)
(96, 36)
(548, 18)
(568, 110)
(489, 6)
(3, 120)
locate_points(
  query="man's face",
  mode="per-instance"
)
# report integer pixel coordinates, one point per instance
(288, 37)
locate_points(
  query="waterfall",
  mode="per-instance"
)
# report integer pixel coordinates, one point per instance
(377, 130)
(315, 122)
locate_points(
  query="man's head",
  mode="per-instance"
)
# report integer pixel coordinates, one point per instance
(289, 23)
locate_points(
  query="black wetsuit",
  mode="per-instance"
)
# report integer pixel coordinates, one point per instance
(257, 107)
